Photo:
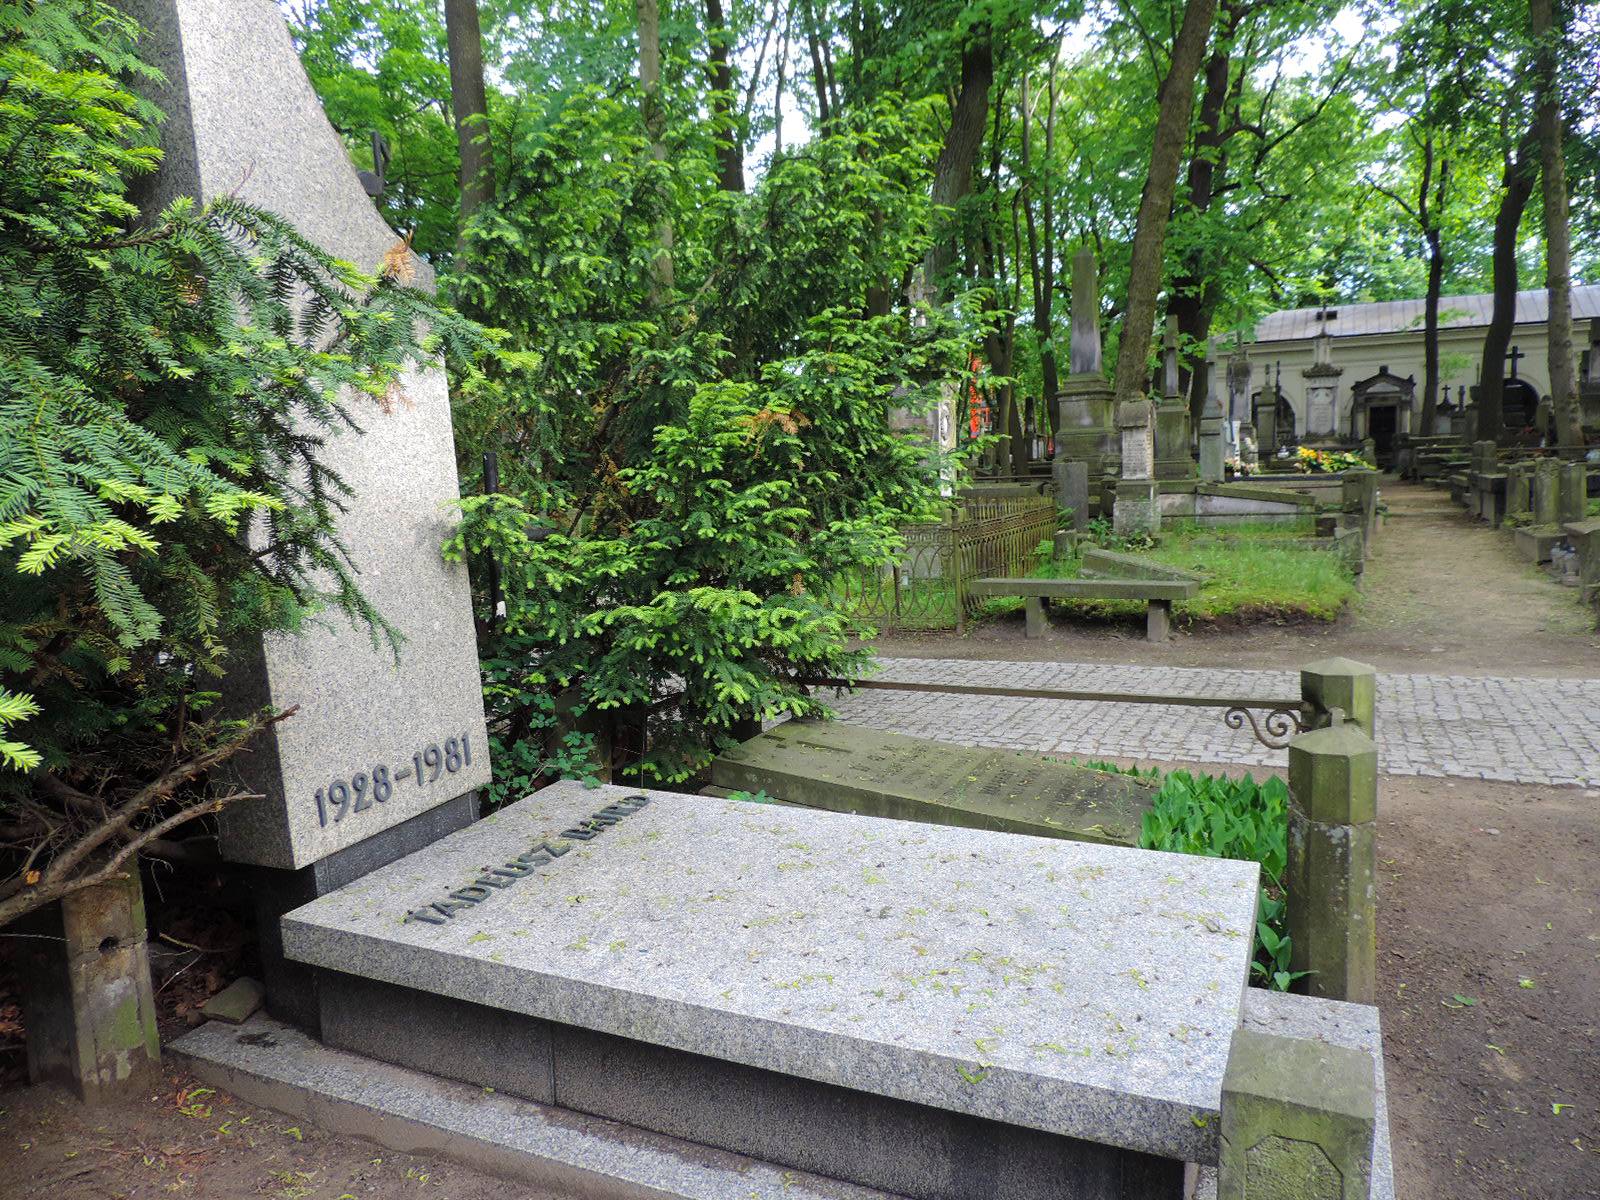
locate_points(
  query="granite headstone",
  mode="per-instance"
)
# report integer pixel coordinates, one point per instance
(379, 738)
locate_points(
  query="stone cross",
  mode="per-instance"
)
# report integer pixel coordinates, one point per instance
(1085, 355)
(1169, 360)
(1516, 355)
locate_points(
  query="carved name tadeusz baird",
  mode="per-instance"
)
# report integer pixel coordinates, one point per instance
(494, 879)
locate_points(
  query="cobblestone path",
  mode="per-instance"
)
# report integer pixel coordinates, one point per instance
(1506, 729)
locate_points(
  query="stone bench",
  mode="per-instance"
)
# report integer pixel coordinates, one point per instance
(1158, 595)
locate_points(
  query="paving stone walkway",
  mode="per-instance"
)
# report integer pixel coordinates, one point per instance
(1501, 728)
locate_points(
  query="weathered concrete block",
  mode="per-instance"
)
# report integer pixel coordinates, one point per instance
(1519, 489)
(1574, 497)
(1333, 776)
(1138, 511)
(1546, 492)
(87, 1000)
(829, 765)
(1344, 684)
(1298, 1119)
(236, 1003)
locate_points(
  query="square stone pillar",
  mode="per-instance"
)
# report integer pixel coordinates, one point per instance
(1137, 509)
(1299, 1119)
(1333, 806)
(1546, 491)
(1519, 490)
(86, 999)
(1343, 684)
(1574, 497)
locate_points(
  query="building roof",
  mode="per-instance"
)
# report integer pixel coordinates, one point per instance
(1403, 316)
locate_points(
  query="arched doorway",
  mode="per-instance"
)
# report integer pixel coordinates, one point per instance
(1519, 404)
(1381, 410)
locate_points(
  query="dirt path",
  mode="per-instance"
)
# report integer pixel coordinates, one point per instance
(1441, 594)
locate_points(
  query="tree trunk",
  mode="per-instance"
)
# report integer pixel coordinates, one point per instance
(1517, 184)
(1430, 218)
(1174, 104)
(470, 104)
(1041, 253)
(1187, 299)
(655, 122)
(1558, 232)
(730, 146)
(952, 174)
(1430, 335)
(819, 75)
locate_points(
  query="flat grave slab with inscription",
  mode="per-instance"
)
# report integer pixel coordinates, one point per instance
(1078, 989)
(844, 768)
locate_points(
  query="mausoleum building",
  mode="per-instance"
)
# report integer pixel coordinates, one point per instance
(1344, 373)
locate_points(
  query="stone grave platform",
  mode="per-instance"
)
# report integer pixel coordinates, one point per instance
(1036, 1017)
(845, 768)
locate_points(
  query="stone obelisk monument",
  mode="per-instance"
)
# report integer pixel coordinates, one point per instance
(1084, 429)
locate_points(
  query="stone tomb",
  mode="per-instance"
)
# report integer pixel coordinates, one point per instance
(844, 768)
(1037, 1017)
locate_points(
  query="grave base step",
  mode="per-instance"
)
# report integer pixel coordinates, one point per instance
(563, 1153)
(885, 1145)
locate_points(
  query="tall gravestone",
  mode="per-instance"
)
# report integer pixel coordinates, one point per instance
(387, 749)
(1589, 384)
(1211, 436)
(1084, 409)
(1173, 457)
(1322, 390)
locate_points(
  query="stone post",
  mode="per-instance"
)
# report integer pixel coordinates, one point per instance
(1546, 491)
(1574, 490)
(1519, 489)
(86, 996)
(1358, 496)
(1333, 802)
(1346, 685)
(1072, 491)
(1299, 1120)
(1211, 433)
(1138, 509)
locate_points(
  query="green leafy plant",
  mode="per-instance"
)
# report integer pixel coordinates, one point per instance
(1233, 818)
(167, 388)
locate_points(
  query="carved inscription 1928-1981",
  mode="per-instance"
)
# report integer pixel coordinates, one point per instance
(494, 879)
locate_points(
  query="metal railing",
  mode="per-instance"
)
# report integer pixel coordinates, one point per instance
(926, 587)
(1280, 719)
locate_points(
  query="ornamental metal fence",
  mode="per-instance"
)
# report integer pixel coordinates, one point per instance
(926, 586)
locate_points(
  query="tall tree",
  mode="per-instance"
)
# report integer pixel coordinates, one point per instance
(730, 144)
(470, 104)
(1174, 102)
(1042, 247)
(655, 126)
(1517, 179)
(1547, 38)
(952, 174)
(1427, 210)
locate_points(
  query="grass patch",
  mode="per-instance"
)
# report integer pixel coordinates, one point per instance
(1248, 574)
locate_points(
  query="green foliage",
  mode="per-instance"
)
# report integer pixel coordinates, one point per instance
(704, 462)
(1219, 817)
(166, 391)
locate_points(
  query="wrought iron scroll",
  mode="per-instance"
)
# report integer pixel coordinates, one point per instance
(1277, 726)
